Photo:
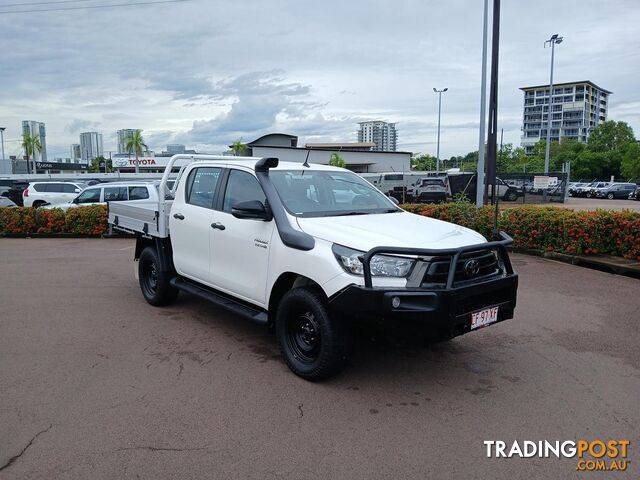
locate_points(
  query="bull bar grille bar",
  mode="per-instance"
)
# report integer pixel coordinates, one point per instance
(454, 253)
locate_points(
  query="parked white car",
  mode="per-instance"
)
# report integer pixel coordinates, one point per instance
(39, 194)
(104, 193)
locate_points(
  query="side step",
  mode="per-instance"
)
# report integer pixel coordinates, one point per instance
(254, 314)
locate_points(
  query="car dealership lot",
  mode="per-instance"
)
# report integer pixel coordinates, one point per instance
(96, 383)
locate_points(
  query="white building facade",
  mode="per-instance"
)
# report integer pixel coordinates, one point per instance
(90, 146)
(576, 109)
(384, 135)
(31, 127)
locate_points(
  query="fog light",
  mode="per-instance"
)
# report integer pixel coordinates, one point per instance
(395, 302)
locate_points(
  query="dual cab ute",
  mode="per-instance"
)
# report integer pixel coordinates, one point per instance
(306, 249)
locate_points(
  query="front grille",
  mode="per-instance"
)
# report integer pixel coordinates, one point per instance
(438, 270)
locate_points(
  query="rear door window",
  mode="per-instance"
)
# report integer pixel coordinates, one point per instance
(69, 188)
(115, 194)
(54, 187)
(138, 193)
(202, 184)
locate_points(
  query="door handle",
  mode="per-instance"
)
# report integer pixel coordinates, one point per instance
(179, 216)
(218, 226)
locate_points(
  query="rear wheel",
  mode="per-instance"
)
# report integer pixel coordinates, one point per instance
(154, 283)
(38, 204)
(511, 196)
(313, 343)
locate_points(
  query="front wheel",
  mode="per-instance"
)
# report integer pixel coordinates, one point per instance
(610, 196)
(154, 283)
(314, 344)
(511, 196)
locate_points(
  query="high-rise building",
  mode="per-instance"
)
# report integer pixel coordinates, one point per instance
(175, 148)
(90, 146)
(576, 109)
(30, 127)
(75, 152)
(383, 134)
(122, 138)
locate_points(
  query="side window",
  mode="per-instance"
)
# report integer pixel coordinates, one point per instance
(114, 194)
(201, 186)
(89, 196)
(138, 193)
(69, 188)
(40, 187)
(54, 188)
(241, 187)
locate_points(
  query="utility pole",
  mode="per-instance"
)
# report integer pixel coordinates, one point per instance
(493, 102)
(483, 112)
(439, 92)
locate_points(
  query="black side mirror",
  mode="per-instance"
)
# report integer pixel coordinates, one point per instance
(252, 209)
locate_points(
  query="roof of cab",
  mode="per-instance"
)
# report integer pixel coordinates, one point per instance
(250, 162)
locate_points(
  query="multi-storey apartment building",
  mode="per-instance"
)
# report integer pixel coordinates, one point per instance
(576, 108)
(382, 134)
(90, 146)
(30, 127)
(122, 138)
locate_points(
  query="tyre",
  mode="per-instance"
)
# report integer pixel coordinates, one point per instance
(38, 204)
(511, 196)
(588, 195)
(610, 196)
(154, 283)
(314, 344)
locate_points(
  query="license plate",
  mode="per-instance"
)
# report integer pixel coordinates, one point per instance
(484, 317)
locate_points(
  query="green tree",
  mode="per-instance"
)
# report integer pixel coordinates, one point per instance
(424, 162)
(630, 165)
(31, 145)
(610, 136)
(238, 148)
(337, 161)
(134, 142)
(95, 165)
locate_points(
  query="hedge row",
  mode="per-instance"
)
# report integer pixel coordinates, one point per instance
(90, 221)
(550, 229)
(539, 228)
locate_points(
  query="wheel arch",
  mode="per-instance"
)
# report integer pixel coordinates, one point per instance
(161, 245)
(285, 282)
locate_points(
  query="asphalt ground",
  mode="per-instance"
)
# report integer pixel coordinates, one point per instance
(95, 383)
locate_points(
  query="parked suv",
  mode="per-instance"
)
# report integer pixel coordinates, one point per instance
(430, 189)
(38, 194)
(616, 190)
(103, 193)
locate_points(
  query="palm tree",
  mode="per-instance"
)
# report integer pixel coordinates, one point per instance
(238, 147)
(31, 145)
(134, 142)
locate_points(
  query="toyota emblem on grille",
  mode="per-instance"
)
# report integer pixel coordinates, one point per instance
(471, 267)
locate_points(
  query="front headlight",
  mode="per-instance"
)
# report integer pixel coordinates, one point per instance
(381, 265)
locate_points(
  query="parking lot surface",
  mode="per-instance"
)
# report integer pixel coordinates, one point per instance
(95, 383)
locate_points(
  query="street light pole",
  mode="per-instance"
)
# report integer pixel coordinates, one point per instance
(555, 39)
(483, 115)
(2, 129)
(439, 92)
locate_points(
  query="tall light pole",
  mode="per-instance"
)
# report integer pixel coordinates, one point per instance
(483, 114)
(439, 92)
(2, 129)
(555, 39)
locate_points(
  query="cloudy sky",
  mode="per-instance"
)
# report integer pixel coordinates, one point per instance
(206, 73)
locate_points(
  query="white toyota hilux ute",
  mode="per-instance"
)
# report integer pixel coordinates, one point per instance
(308, 249)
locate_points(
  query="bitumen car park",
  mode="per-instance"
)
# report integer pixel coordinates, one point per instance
(98, 384)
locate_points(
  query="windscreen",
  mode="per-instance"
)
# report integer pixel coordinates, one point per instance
(323, 193)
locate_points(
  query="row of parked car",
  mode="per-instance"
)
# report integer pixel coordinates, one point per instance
(609, 190)
(69, 194)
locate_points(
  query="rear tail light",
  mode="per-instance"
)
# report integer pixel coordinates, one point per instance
(25, 193)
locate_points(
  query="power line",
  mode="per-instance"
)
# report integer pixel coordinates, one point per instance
(27, 4)
(85, 7)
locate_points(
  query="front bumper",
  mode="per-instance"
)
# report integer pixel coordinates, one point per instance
(447, 308)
